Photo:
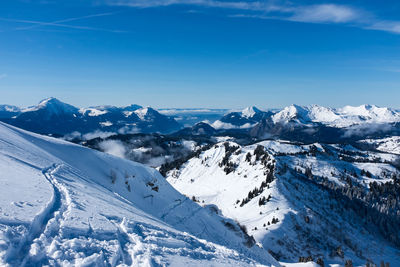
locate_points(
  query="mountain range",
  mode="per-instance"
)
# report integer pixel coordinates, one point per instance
(51, 116)
(308, 184)
(311, 115)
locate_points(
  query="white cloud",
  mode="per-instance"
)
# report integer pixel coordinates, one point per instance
(280, 10)
(113, 147)
(389, 26)
(326, 13)
(224, 125)
(2, 76)
(366, 129)
(96, 134)
(307, 13)
(241, 5)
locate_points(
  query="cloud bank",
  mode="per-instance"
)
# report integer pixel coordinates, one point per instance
(113, 147)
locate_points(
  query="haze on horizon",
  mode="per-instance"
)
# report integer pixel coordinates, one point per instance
(211, 54)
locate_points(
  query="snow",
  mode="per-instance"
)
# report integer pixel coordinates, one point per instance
(282, 147)
(53, 106)
(249, 112)
(307, 115)
(389, 144)
(128, 113)
(323, 114)
(368, 111)
(63, 204)
(341, 117)
(93, 112)
(142, 112)
(9, 108)
(303, 114)
(291, 199)
(287, 114)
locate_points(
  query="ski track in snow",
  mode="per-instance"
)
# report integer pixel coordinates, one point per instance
(173, 207)
(123, 241)
(50, 218)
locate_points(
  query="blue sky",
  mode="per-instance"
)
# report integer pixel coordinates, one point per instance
(200, 53)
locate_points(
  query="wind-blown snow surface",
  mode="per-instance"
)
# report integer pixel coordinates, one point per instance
(63, 204)
(300, 219)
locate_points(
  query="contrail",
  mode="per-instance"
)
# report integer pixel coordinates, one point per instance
(60, 23)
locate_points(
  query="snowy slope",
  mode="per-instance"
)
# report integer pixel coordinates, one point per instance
(389, 144)
(63, 204)
(313, 113)
(250, 112)
(299, 219)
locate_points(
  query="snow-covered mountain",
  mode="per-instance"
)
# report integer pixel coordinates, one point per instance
(52, 116)
(63, 204)
(55, 117)
(341, 117)
(246, 118)
(293, 117)
(369, 114)
(305, 115)
(153, 121)
(51, 107)
(320, 124)
(301, 201)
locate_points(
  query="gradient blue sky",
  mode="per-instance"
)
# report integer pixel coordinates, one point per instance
(200, 53)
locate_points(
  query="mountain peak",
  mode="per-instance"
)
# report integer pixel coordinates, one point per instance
(131, 107)
(298, 108)
(49, 99)
(250, 111)
(292, 112)
(53, 105)
(143, 113)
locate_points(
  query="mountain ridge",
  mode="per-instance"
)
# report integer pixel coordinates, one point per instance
(52, 116)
